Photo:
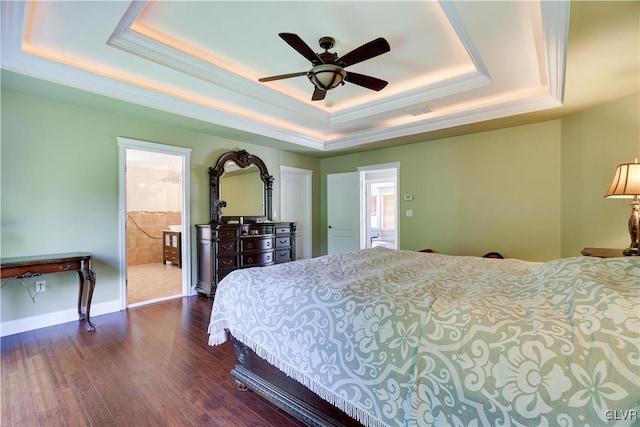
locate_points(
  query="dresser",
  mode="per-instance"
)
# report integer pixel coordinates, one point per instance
(223, 248)
(241, 232)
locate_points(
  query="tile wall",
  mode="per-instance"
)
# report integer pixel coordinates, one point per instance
(153, 203)
(144, 241)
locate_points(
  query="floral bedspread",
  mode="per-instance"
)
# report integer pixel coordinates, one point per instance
(402, 338)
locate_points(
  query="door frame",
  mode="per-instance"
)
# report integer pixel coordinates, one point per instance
(364, 202)
(185, 153)
(307, 232)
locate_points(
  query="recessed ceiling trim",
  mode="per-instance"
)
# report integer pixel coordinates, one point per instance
(317, 128)
(159, 53)
(12, 28)
(555, 19)
(129, 40)
(434, 122)
(140, 45)
(424, 94)
(416, 96)
(35, 66)
(454, 18)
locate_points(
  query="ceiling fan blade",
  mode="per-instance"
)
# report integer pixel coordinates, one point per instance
(365, 81)
(366, 51)
(303, 49)
(318, 94)
(282, 76)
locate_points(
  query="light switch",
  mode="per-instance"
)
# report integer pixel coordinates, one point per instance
(409, 212)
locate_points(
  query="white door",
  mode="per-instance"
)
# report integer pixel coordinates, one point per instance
(343, 212)
(295, 205)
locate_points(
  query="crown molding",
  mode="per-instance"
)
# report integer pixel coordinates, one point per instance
(555, 16)
(495, 111)
(128, 40)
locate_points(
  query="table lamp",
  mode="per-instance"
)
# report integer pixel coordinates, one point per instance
(626, 184)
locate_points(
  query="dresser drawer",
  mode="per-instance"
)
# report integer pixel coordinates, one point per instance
(230, 246)
(228, 233)
(283, 242)
(227, 261)
(283, 255)
(257, 244)
(283, 229)
(258, 259)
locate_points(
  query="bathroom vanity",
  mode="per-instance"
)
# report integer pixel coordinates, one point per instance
(171, 247)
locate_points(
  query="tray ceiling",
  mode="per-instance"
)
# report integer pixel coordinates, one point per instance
(451, 63)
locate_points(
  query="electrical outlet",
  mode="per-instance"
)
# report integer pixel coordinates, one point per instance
(40, 286)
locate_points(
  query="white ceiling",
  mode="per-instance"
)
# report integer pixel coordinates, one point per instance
(451, 64)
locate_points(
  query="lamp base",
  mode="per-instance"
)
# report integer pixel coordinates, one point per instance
(631, 252)
(634, 228)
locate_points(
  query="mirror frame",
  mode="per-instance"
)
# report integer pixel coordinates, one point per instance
(244, 160)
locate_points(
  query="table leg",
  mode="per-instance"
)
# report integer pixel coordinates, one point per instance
(80, 292)
(92, 281)
(89, 275)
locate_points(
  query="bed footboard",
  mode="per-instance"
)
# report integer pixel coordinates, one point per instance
(257, 374)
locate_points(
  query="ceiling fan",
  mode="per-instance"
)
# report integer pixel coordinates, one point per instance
(328, 69)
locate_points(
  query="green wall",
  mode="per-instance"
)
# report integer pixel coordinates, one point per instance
(60, 192)
(594, 142)
(532, 192)
(492, 191)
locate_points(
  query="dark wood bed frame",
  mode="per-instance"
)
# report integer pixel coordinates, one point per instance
(255, 373)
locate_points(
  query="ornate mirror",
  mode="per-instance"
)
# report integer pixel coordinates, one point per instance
(240, 187)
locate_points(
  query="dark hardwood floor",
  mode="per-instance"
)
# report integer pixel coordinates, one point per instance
(146, 366)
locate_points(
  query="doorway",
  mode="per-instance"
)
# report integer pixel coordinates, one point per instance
(379, 205)
(155, 236)
(362, 208)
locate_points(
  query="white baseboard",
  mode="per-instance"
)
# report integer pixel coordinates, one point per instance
(57, 318)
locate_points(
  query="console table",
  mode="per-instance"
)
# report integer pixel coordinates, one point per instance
(32, 266)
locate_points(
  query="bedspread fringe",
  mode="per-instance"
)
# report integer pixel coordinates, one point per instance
(347, 407)
(217, 333)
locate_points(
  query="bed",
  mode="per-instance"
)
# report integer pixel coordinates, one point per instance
(385, 337)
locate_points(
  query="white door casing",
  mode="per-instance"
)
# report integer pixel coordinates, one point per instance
(185, 153)
(387, 173)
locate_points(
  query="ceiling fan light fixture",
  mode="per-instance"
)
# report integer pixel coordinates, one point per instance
(327, 76)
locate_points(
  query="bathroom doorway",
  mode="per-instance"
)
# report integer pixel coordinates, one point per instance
(379, 205)
(156, 262)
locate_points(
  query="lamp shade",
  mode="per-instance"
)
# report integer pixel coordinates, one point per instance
(626, 181)
(326, 76)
